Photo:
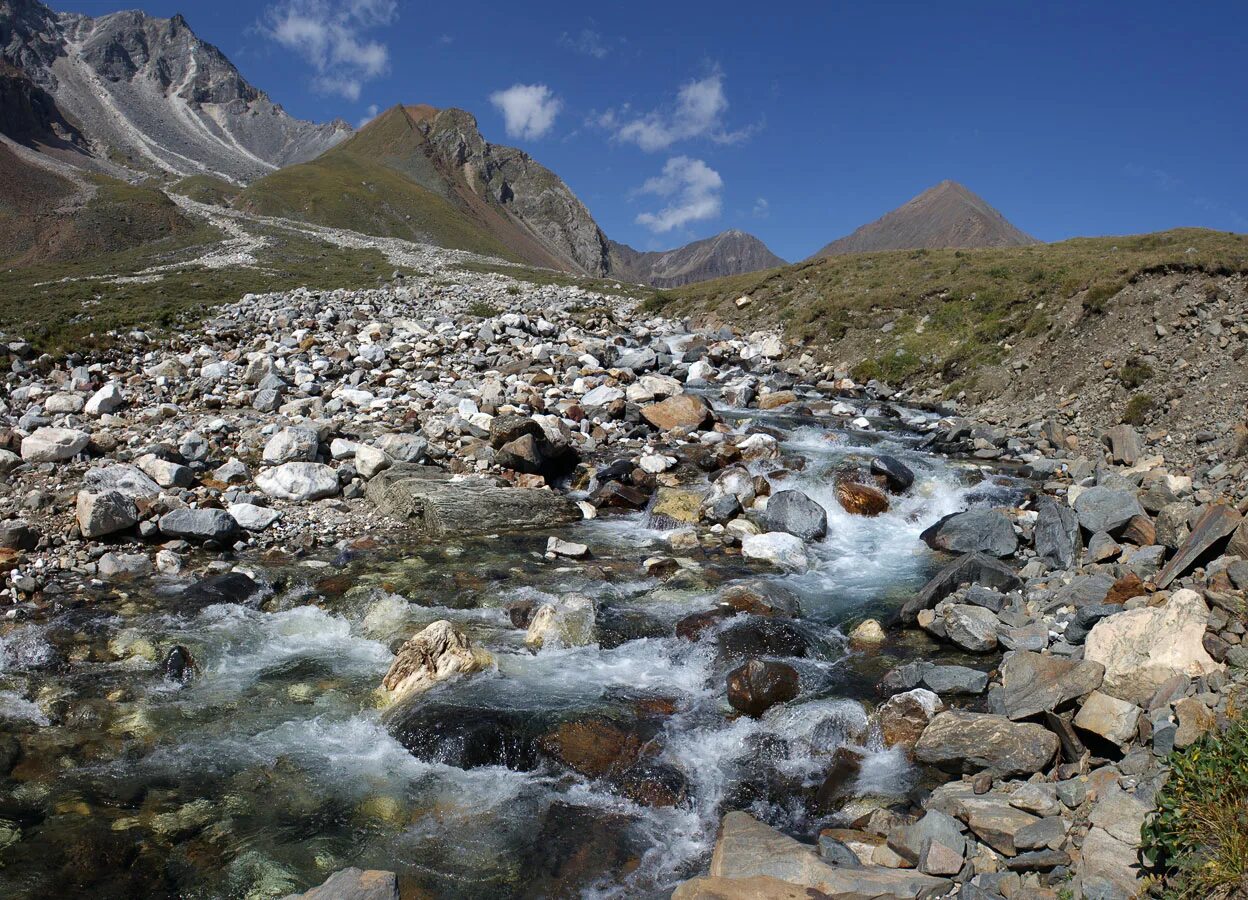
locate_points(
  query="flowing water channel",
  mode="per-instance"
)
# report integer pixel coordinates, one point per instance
(273, 767)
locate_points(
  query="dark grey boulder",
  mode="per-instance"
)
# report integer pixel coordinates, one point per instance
(1032, 683)
(199, 525)
(974, 531)
(1106, 509)
(894, 472)
(973, 568)
(231, 587)
(797, 514)
(1056, 533)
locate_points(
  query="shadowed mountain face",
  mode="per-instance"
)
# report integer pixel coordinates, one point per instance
(729, 253)
(127, 91)
(946, 216)
(428, 174)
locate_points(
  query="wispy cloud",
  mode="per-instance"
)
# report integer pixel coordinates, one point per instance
(692, 189)
(445, 39)
(331, 37)
(372, 109)
(586, 42)
(762, 209)
(1173, 184)
(697, 112)
(529, 110)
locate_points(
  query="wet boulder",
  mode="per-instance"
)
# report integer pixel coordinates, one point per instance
(758, 685)
(231, 587)
(893, 472)
(762, 637)
(569, 622)
(761, 598)
(860, 499)
(987, 531)
(437, 653)
(354, 884)
(795, 513)
(468, 737)
(598, 746)
(428, 499)
(780, 549)
(179, 665)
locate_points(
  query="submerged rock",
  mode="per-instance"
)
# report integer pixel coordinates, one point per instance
(231, 587)
(860, 499)
(567, 623)
(354, 884)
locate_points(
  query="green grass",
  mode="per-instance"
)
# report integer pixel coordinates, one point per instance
(1135, 372)
(207, 189)
(57, 315)
(953, 311)
(1138, 408)
(1198, 838)
(341, 190)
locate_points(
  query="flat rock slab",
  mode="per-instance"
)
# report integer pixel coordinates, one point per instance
(1032, 683)
(437, 505)
(1217, 523)
(354, 884)
(968, 742)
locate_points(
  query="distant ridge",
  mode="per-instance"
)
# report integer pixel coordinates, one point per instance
(947, 216)
(728, 253)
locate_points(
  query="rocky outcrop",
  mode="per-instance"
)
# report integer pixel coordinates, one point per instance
(147, 94)
(439, 652)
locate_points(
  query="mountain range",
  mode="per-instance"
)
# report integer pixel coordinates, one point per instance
(126, 106)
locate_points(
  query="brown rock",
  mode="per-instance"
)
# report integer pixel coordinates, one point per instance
(758, 685)
(860, 499)
(1126, 587)
(1195, 720)
(903, 716)
(1140, 531)
(593, 747)
(776, 399)
(694, 625)
(682, 411)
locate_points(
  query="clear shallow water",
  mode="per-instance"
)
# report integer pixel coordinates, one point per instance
(274, 766)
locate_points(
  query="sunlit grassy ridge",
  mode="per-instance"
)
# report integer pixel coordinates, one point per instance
(947, 311)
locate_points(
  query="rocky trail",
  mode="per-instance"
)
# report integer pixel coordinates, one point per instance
(465, 586)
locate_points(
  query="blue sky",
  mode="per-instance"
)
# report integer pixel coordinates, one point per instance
(796, 122)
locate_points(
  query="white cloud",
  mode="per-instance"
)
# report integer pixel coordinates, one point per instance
(693, 190)
(528, 110)
(330, 36)
(762, 208)
(372, 109)
(445, 39)
(698, 112)
(587, 42)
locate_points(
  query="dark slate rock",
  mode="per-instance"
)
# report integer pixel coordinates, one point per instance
(973, 568)
(797, 514)
(1056, 533)
(977, 530)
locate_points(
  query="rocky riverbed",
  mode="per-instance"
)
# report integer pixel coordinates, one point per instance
(514, 590)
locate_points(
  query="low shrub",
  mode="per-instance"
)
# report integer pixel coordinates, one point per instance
(1138, 408)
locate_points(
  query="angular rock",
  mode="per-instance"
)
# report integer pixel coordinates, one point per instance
(971, 627)
(895, 473)
(1106, 509)
(796, 514)
(1056, 533)
(105, 513)
(1113, 719)
(252, 517)
(568, 623)
(354, 884)
(1032, 683)
(291, 444)
(199, 525)
(902, 717)
(987, 531)
(1142, 648)
(106, 400)
(973, 568)
(969, 742)
(746, 849)
(1215, 525)
(54, 444)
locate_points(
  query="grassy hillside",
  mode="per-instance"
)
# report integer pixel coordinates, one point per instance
(206, 189)
(64, 305)
(904, 314)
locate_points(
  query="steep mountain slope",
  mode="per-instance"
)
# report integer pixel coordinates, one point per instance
(946, 216)
(728, 253)
(427, 174)
(127, 91)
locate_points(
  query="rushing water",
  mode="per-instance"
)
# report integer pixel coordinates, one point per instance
(273, 767)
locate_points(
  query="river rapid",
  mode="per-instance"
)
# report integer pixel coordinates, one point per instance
(274, 765)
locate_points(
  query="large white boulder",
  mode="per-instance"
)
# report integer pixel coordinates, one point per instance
(1142, 648)
(54, 444)
(299, 481)
(778, 548)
